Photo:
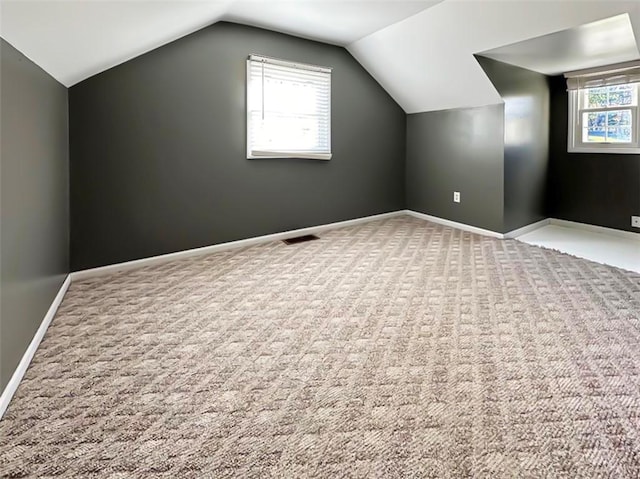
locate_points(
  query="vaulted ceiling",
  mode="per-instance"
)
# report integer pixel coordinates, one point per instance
(421, 51)
(75, 39)
(426, 62)
(586, 46)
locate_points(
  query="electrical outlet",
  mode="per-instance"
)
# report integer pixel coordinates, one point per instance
(635, 221)
(456, 197)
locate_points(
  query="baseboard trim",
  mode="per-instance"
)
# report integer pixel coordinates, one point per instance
(527, 229)
(596, 229)
(153, 260)
(455, 224)
(23, 365)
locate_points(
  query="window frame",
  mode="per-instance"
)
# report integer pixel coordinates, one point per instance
(299, 154)
(576, 110)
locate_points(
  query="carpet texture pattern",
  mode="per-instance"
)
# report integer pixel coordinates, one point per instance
(397, 348)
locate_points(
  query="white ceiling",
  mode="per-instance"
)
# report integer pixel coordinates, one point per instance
(73, 40)
(340, 22)
(421, 51)
(426, 62)
(595, 44)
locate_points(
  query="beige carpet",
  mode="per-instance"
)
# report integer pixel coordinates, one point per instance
(398, 348)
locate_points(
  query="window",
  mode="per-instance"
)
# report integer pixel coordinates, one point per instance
(288, 109)
(603, 111)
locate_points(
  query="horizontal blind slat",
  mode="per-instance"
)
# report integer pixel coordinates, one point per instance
(621, 74)
(275, 61)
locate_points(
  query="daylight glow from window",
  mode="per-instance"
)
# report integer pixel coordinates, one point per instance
(604, 118)
(600, 122)
(288, 111)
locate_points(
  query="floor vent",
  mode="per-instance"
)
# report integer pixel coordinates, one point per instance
(300, 239)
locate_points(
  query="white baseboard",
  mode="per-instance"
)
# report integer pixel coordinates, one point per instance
(139, 263)
(455, 224)
(18, 374)
(528, 228)
(596, 229)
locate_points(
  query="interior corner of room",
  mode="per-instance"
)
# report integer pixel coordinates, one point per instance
(142, 153)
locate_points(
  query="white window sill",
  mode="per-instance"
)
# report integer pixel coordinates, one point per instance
(259, 155)
(607, 151)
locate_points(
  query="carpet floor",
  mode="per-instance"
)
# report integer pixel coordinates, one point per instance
(397, 348)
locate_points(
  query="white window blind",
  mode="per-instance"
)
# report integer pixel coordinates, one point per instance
(288, 109)
(620, 74)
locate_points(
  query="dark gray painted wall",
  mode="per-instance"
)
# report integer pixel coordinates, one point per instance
(457, 150)
(34, 200)
(594, 188)
(158, 150)
(526, 141)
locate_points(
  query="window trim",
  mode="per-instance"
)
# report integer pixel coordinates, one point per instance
(272, 154)
(574, 142)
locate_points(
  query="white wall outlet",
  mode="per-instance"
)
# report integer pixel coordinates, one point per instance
(635, 221)
(456, 197)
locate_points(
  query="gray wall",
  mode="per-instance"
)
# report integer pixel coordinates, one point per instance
(158, 150)
(594, 188)
(34, 169)
(457, 150)
(526, 142)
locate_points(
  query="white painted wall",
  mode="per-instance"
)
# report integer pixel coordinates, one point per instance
(426, 61)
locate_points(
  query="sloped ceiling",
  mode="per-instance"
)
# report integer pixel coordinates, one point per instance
(594, 44)
(421, 51)
(426, 62)
(75, 39)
